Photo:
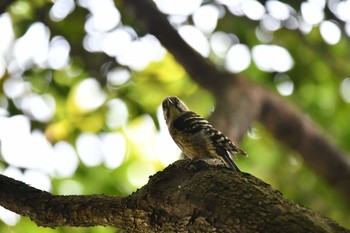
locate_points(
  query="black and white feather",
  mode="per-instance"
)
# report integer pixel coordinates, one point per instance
(195, 136)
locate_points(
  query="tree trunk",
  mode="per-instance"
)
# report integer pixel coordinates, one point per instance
(185, 197)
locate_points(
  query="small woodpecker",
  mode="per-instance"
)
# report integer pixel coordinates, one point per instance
(195, 136)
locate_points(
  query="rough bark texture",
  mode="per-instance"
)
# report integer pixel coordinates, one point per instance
(185, 197)
(241, 101)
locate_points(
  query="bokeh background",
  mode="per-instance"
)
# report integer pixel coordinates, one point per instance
(81, 88)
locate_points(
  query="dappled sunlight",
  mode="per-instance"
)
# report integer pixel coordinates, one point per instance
(253, 9)
(39, 107)
(2, 67)
(270, 23)
(341, 9)
(14, 173)
(150, 146)
(89, 148)
(37, 179)
(264, 35)
(106, 34)
(114, 149)
(165, 147)
(16, 87)
(141, 133)
(32, 47)
(89, 95)
(23, 148)
(65, 159)
(150, 49)
(178, 7)
(35, 48)
(278, 10)
(234, 6)
(8, 217)
(104, 15)
(272, 58)
(116, 114)
(82, 83)
(304, 27)
(116, 42)
(195, 38)
(61, 8)
(238, 58)
(292, 23)
(220, 42)
(347, 28)
(92, 43)
(253, 133)
(6, 32)
(205, 18)
(118, 76)
(330, 32)
(107, 148)
(4, 103)
(284, 84)
(58, 54)
(312, 12)
(345, 90)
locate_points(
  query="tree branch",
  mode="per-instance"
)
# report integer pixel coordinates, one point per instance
(50, 210)
(185, 197)
(240, 102)
(154, 22)
(297, 131)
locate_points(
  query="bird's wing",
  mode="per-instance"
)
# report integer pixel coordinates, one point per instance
(220, 140)
(190, 122)
(227, 158)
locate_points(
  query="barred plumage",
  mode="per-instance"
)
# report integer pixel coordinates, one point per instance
(195, 136)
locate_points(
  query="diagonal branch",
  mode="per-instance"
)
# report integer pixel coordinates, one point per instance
(182, 198)
(240, 102)
(154, 22)
(296, 130)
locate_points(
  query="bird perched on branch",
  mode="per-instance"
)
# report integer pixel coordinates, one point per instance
(195, 136)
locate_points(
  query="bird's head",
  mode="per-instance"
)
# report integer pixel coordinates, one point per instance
(173, 107)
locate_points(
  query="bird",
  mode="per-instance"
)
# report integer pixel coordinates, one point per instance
(195, 136)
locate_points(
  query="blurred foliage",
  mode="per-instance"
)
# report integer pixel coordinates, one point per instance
(317, 75)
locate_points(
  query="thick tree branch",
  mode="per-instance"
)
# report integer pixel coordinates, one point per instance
(185, 197)
(287, 125)
(240, 102)
(50, 210)
(298, 132)
(238, 105)
(202, 71)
